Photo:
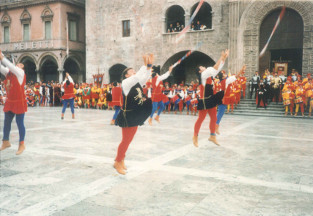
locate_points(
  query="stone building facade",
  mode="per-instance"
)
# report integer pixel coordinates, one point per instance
(243, 26)
(48, 36)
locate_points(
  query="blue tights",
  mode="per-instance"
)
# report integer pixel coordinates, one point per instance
(8, 117)
(220, 113)
(71, 102)
(117, 109)
(155, 106)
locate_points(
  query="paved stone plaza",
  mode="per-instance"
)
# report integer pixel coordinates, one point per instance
(263, 167)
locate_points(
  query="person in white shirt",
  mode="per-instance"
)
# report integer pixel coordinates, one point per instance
(208, 101)
(135, 110)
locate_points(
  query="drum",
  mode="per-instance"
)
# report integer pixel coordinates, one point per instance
(299, 100)
(287, 102)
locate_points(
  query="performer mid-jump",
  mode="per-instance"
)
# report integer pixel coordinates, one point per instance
(157, 86)
(207, 100)
(135, 110)
(16, 104)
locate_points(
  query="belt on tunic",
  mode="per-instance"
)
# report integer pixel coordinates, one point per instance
(205, 97)
(126, 110)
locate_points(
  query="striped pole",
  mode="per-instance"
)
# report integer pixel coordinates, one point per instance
(281, 15)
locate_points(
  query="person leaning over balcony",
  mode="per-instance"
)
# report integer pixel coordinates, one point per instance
(178, 27)
(203, 27)
(197, 27)
(170, 29)
(16, 104)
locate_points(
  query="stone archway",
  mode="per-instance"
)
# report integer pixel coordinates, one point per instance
(115, 72)
(204, 16)
(286, 44)
(49, 69)
(73, 68)
(30, 69)
(187, 70)
(174, 14)
(249, 37)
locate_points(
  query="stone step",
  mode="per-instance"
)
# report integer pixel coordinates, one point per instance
(263, 112)
(253, 102)
(254, 108)
(274, 115)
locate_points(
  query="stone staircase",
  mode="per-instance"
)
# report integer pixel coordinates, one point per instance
(248, 107)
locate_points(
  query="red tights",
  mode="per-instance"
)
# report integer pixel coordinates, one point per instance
(128, 134)
(202, 114)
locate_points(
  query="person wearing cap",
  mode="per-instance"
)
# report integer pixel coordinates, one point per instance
(94, 94)
(275, 83)
(208, 101)
(15, 104)
(287, 97)
(188, 96)
(300, 96)
(86, 96)
(178, 99)
(156, 96)
(237, 91)
(167, 95)
(255, 81)
(308, 91)
(243, 83)
(310, 95)
(117, 100)
(225, 85)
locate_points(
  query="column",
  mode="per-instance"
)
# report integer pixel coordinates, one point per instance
(80, 76)
(187, 18)
(38, 75)
(60, 75)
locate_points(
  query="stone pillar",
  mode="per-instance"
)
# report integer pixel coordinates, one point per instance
(80, 76)
(234, 15)
(60, 75)
(187, 18)
(38, 75)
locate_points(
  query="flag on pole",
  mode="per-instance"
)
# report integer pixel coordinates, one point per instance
(281, 15)
(67, 46)
(181, 35)
(12, 57)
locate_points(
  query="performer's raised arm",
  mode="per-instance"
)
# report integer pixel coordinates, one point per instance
(233, 78)
(16, 70)
(4, 70)
(165, 75)
(213, 71)
(130, 77)
(69, 78)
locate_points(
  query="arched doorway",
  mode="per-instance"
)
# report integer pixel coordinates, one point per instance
(286, 45)
(30, 69)
(186, 71)
(204, 16)
(174, 14)
(115, 72)
(73, 69)
(49, 69)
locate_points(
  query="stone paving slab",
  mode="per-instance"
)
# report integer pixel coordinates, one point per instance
(264, 166)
